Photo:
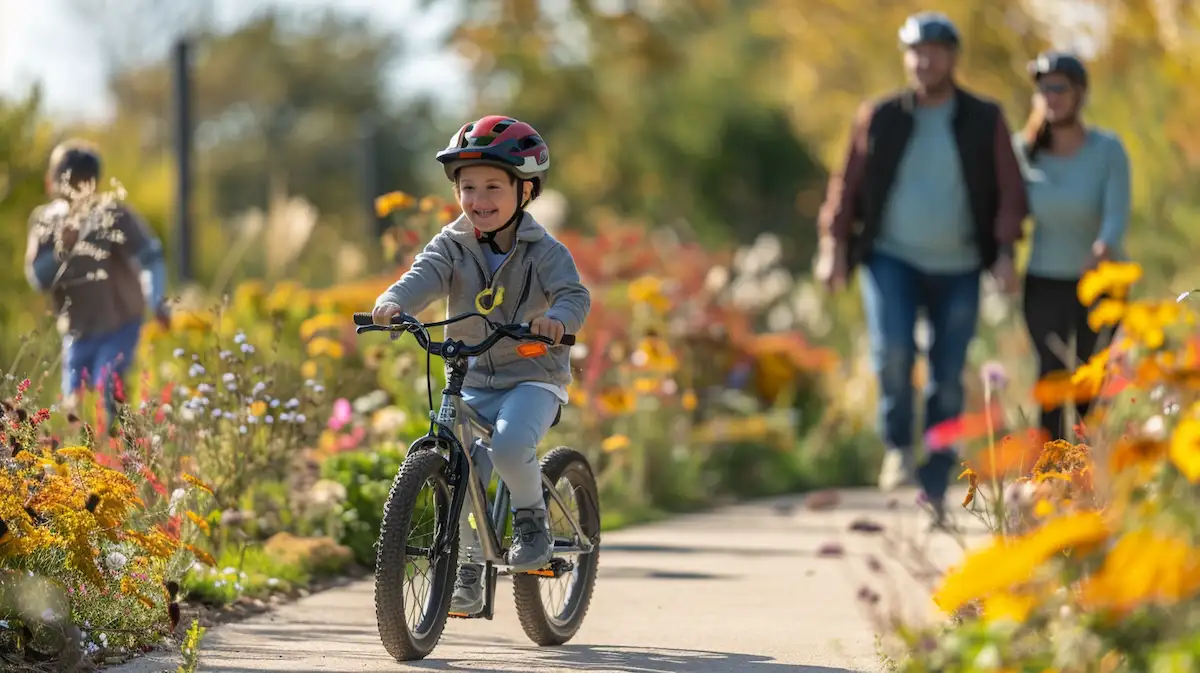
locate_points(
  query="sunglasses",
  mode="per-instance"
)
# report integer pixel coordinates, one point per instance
(1047, 87)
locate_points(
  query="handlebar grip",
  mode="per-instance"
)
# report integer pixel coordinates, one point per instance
(362, 319)
(567, 340)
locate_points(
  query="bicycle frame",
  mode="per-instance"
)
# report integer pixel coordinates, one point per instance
(456, 426)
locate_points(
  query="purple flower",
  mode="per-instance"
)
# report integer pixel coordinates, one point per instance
(993, 374)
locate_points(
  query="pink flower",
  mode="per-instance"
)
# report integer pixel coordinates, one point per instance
(342, 413)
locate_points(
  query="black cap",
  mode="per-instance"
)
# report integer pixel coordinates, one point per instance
(1061, 62)
(929, 27)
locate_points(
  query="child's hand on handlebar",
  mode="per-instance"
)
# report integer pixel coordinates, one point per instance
(383, 313)
(548, 327)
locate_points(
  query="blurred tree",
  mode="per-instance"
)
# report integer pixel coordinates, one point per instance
(26, 139)
(665, 112)
(280, 103)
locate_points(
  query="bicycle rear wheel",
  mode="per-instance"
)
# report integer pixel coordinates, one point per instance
(557, 620)
(413, 518)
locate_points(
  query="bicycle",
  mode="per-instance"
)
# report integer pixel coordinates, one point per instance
(441, 459)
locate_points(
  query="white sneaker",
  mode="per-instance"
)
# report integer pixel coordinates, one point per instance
(897, 470)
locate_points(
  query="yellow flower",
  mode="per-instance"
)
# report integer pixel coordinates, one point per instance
(1107, 312)
(325, 346)
(200, 522)
(258, 408)
(1043, 509)
(617, 401)
(1145, 324)
(319, 323)
(1144, 567)
(688, 401)
(614, 443)
(1185, 448)
(1090, 375)
(429, 204)
(309, 369)
(197, 483)
(1112, 278)
(648, 290)
(1008, 606)
(391, 202)
(76, 452)
(645, 386)
(972, 485)
(654, 353)
(1009, 562)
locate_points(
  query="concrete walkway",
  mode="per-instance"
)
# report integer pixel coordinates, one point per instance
(748, 588)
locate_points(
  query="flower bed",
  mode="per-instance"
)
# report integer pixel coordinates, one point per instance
(260, 435)
(1094, 563)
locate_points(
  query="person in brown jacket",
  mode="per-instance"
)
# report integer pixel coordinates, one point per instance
(101, 266)
(930, 196)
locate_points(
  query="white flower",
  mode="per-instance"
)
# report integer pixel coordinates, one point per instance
(300, 418)
(242, 429)
(196, 370)
(115, 560)
(239, 338)
(247, 348)
(293, 403)
(228, 377)
(178, 352)
(177, 497)
(224, 355)
(269, 420)
(258, 388)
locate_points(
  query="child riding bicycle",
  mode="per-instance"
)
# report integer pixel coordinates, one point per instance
(495, 258)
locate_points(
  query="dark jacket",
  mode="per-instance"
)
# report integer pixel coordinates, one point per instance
(857, 195)
(97, 286)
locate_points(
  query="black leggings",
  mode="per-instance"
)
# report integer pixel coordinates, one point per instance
(1053, 314)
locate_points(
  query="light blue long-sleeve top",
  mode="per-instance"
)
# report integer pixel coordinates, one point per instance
(1075, 201)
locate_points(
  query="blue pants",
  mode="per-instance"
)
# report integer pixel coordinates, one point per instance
(103, 358)
(893, 293)
(521, 416)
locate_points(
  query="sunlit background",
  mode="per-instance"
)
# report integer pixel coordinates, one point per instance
(691, 145)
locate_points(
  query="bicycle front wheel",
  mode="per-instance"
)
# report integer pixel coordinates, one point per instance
(413, 579)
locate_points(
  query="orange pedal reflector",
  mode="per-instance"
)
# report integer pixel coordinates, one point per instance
(542, 573)
(531, 349)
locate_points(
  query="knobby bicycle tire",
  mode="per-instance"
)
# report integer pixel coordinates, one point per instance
(538, 626)
(391, 559)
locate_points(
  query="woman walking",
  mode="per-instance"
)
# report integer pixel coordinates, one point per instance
(1077, 178)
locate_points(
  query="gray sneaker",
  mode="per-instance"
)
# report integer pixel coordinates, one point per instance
(468, 590)
(897, 470)
(532, 546)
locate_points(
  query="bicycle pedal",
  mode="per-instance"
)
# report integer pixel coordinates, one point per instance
(541, 572)
(460, 615)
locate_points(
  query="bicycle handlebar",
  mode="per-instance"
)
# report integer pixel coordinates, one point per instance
(407, 323)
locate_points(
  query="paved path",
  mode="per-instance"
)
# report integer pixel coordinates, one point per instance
(743, 588)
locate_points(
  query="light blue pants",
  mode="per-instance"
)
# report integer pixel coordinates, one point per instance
(520, 417)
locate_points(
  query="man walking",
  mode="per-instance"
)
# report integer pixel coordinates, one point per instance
(101, 265)
(929, 196)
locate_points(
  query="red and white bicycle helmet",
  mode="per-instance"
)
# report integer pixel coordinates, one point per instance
(499, 141)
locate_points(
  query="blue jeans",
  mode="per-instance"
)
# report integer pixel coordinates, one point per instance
(893, 293)
(104, 359)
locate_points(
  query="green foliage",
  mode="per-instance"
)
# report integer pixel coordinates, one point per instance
(367, 478)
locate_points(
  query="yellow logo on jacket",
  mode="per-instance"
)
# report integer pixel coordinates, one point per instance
(491, 306)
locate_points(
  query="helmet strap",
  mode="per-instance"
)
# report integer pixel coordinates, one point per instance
(488, 238)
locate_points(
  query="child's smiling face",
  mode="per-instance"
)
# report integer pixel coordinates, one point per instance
(488, 196)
